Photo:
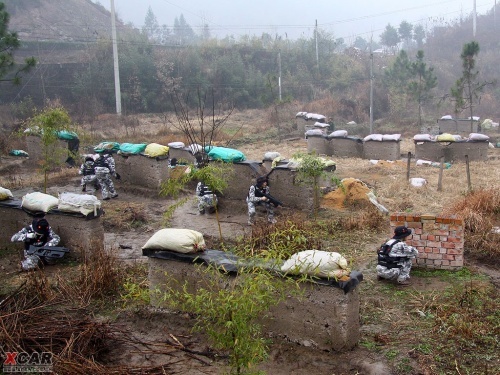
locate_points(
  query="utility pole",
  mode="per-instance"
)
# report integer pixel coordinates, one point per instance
(495, 16)
(474, 20)
(115, 61)
(316, 37)
(279, 73)
(371, 87)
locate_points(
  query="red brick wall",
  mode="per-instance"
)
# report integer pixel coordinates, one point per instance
(439, 239)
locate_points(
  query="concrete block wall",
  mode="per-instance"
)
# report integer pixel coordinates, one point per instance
(382, 150)
(318, 144)
(451, 151)
(142, 170)
(77, 233)
(439, 239)
(353, 147)
(345, 147)
(34, 149)
(181, 154)
(325, 315)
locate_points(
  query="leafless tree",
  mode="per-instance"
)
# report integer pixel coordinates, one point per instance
(202, 128)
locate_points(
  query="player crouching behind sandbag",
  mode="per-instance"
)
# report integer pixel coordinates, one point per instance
(40, 244)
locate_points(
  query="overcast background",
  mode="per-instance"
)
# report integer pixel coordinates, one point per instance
(296, 18)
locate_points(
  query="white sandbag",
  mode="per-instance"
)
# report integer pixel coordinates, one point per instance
(418, 182)
(317, 263)
(176, 239)
(315, 116)
(39, 202)
(351, 123)
(301, 114)
(422, 137)
(391, 137)
(78, 203)
(447, 117)
(373, 137)
(338, 134)
(5, 194)
(478, 137)
(176, 144)
(321, 125)
(457, 137)
(314, 132)
(270, 155)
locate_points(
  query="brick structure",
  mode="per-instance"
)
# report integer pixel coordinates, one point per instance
(439, 239)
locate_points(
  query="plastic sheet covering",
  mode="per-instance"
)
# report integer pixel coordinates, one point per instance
(231, 263)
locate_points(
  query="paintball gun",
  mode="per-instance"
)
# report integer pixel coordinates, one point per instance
(274, 201)
(48, 252)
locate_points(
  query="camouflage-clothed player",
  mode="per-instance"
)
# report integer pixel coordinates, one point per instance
(402, 255)
(207, 200)
(104, 169)
(87, 170)
(38, 233)
(256, 198)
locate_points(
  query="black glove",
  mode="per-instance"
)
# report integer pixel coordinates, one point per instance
(118, 177)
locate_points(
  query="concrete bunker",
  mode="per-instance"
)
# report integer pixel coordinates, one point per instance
(327, 314)
(80, 233)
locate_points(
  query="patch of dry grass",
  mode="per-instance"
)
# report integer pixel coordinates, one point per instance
(480, 211)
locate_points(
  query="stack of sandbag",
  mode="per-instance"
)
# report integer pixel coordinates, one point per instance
(176, 239)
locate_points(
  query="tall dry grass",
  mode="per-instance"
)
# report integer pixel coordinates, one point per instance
(480, 211)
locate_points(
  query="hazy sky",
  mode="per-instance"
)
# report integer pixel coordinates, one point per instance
(291, 18)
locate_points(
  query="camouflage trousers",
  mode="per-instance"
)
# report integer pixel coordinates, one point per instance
(89, 179)
(399, 274)
(251, 211)
(104, 180)
(208, 201)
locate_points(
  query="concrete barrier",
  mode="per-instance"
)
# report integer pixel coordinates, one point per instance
(451, 151)
(181, 154)
(142, 170)
(317, 144)
(345, 147)
(35, 150)
(381, 150)
(78, 233)
(325, 316)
